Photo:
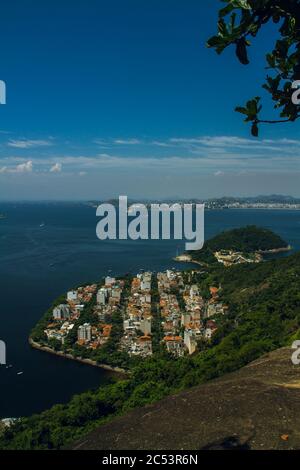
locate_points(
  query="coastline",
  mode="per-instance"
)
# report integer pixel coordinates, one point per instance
(284, 249)
(90, 362)
(188, 259)
(255, 208)
(185, 258)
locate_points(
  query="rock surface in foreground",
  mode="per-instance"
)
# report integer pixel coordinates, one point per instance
(257, 407)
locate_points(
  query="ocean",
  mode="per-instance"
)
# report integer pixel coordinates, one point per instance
(48, 248)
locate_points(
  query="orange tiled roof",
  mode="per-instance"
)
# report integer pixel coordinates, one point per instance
(213, 290)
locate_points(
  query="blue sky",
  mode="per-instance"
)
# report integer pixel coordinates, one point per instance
(109, 97)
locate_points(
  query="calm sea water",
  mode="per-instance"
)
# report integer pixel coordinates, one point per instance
(38, 263)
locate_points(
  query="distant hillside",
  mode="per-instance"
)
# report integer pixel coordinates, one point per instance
(246, 239)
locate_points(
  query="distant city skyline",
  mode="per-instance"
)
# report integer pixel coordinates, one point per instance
(122, 97)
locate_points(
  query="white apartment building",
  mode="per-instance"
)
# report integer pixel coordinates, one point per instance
(190, 340)
(61, 312)
(102, 295)
(84, 332)
(72, 296)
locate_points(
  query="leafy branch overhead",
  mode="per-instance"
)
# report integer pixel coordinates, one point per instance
(239, 22)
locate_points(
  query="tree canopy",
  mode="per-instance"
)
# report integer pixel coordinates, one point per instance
(239, 22)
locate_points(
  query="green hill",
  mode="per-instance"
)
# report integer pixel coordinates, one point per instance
(247, 239)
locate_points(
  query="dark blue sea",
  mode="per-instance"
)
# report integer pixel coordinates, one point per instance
(48, 248)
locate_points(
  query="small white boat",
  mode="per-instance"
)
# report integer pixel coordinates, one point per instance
(20, 373)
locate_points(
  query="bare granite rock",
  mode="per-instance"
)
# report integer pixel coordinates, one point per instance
(257, 407)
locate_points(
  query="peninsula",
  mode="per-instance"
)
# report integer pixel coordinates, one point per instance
(174, 330)
(249, 244)
(114, 322)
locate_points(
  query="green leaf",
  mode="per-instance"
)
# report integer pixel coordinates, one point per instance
(218, 43)
(271, 60)
(282, 48)
(241, 51)
(214, 41)
(242, 110)
(292, 23)
(222, 28)
(252, 106)
(241, 4)
(225, 11)
(232, 22)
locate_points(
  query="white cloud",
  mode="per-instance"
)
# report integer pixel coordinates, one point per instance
(159, 143)
(56, 168)
(128, 142)
(28, 144)
(26, 167)
(213, 155)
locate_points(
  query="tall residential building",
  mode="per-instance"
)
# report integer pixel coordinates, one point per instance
(84, 332)
(72, 296)
(116, 293)
(190, 341)
(61, 312)
(102, 295)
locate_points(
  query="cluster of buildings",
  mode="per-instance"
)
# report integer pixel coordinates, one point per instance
(186, 316)
(93, 336)
(169, 283)
(192, 317)
(230, 257)
(137, 339)
(268, 202)
(264, 205)
(66, 314)
(109, 298)
(106, 300)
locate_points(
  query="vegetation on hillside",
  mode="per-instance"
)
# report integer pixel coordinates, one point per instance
(264, 314)
(247, 239)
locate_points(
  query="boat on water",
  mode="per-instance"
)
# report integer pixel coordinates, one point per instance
(42, 224)
(20, 373)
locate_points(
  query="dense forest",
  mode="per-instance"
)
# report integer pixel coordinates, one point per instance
(264, 314)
